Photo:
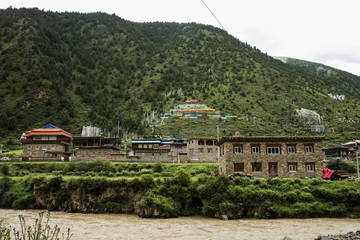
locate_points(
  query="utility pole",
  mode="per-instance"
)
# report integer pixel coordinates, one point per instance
(357, 159)
(218, 148)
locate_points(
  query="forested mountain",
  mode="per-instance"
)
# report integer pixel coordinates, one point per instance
(338, 79)
(73, 69)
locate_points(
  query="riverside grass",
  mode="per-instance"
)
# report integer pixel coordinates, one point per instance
(171, 190)
(40, 230)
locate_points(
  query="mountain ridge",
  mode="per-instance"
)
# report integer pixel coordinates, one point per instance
(73, 69)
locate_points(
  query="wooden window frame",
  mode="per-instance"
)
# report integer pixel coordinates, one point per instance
(312, 165)
(273, 152)
(256, 166)
(292, 167)
(306, 147)
(240, 167)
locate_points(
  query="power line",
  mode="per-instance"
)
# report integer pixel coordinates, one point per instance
(213, 14)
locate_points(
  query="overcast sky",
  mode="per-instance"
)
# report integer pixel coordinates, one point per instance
(323, 31)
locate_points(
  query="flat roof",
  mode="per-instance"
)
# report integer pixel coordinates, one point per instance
(270, 139)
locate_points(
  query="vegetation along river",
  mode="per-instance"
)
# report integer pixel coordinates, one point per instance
(122, 226)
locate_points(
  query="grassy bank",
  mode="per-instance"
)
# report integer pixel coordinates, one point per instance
(170, 190)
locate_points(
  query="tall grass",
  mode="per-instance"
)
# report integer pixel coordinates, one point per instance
(40, 230)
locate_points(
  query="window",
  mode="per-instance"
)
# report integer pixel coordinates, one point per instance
(44, 138)
(238, 167)
(257, 167)
(310, 167)
(209, 150)
(145, 146)
(37, 147)
(255, 150)
(29, 147)
(273, 150)
(156, 146)
(201, 150)
(201, 142)
(150, 146)
(140, 146)
(291, 149)
(308, 149)
(52, 137)
(237, 150)
(37, 137)
(292, 167)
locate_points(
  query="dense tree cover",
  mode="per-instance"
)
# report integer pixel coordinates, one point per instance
(73, 69)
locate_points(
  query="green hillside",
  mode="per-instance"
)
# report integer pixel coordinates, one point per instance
(73, 69)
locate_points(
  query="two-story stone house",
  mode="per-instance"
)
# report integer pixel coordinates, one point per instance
(48, 142)
(202, 149)
(272, 156)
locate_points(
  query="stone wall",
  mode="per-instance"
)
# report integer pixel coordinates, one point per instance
(202, 150)
(42, 149)
(262, 164)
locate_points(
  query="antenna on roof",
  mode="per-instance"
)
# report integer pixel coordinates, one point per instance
(213, 15)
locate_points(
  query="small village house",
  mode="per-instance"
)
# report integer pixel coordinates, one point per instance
(345, 151)
(202, 149)
(272, 156)
(96, 148)
(160, 150)
(46, 143)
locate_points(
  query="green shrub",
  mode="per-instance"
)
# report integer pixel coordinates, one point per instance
(156, 205)
(341, 165)
(24, 202)
(147, 180)
(183, 178)
(145, 171)
(242, 181)
(157, 167)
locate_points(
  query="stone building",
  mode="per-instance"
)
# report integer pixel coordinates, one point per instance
(272, 156)
(168, 150)
(96, 148)
(202, 149)
(46, 143)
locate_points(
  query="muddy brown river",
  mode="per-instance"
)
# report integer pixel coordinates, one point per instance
(122, 226)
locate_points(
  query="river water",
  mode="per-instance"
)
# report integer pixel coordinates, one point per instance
(123, 226)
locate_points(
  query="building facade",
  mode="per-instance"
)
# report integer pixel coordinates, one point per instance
(167, 150)
(202, 149)
(48, 142)
(96, 148)
(272, 156)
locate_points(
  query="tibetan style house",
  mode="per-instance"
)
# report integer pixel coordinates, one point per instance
(272, 156)
(160, 150)
(96, 148)
(46, 143)
(203, 149)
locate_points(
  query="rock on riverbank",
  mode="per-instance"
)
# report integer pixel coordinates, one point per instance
(347, 236)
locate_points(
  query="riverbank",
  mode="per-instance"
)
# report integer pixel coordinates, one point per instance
(347, 236)
(185, 190)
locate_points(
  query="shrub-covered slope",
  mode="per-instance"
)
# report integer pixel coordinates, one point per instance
(73, 69)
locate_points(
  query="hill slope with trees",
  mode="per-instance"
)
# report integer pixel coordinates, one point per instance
(73, 69)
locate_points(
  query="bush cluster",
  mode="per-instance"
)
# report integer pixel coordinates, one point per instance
(161, 190)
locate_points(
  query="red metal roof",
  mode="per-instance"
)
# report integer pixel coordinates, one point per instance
(48, 130)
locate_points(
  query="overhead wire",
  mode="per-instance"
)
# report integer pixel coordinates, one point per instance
(213, 15)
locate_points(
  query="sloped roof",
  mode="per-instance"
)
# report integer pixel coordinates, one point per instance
(48, 130)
